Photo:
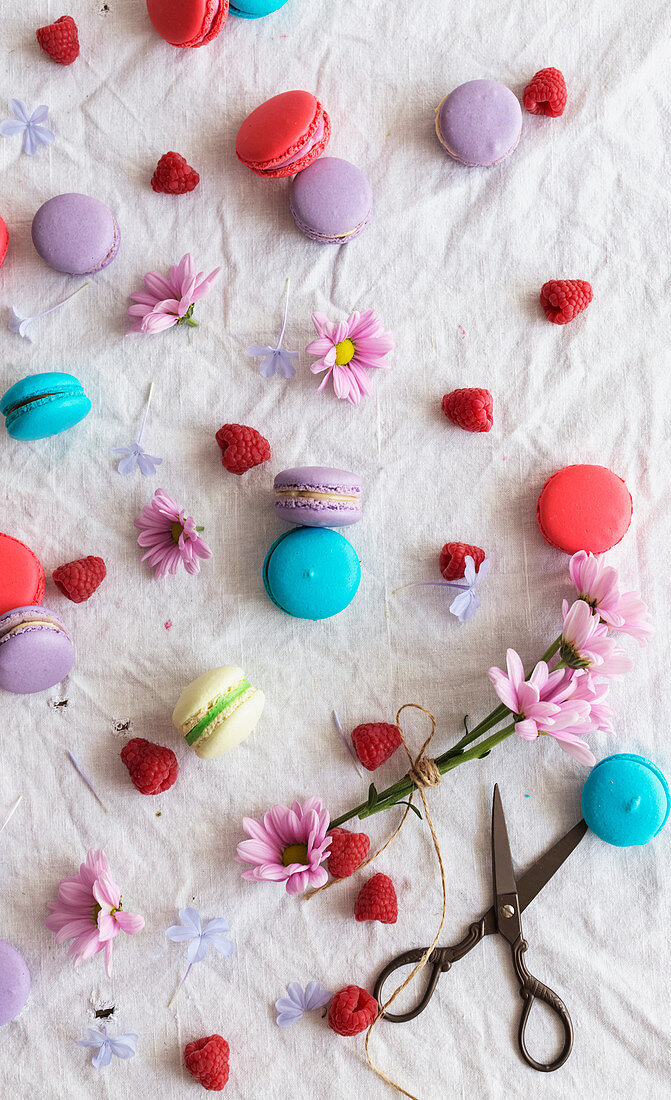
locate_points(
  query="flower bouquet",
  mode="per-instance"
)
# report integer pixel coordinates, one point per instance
(563, 697)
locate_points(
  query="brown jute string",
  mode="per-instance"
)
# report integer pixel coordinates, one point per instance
(424, 773)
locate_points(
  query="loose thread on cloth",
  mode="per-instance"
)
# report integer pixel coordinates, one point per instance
(424, 773)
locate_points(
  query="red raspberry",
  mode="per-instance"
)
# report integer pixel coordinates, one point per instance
(241, 448)
(564, 299)
(375, 742)
(152, 768)
(352, 1010)
(546, 93)
(207, 1061)
(469, 409)
(452, 564)
(377, 901)
(60, 40)
(79, 579)
(173, 176)
(348, 851)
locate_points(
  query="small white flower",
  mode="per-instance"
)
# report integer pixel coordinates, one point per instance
(34, 133)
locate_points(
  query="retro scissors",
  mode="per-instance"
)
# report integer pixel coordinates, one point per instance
(511, 897)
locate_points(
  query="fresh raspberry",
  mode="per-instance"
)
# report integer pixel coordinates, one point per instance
(173, 176)
(546, 93)
(207, 1061)
(241, 448)
(377, 901)
(452, 563)
(79, 579)
(564, 299)
(348, 851)
(60, 40)
(375, 742)
(152, 768)
(469, 409)
(352, 1010)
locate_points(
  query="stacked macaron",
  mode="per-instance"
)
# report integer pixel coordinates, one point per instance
(190, 24)
(330, 199)
(313, 572)
(36, 651)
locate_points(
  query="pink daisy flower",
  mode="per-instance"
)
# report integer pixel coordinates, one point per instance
(289, 845)
(346, 350)
(168, 302)
(585, 642)
(88, 911)
(171, 537)
(598, 585)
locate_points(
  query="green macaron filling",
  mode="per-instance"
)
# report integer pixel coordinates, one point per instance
(221, 704)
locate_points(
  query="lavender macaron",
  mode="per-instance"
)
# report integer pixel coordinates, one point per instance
(316, 496)
(76, 234)
(479, 123)
(36, 650)
(14, 982)
(331, 201)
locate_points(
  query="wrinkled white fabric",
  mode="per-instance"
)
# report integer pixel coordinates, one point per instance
(453, 261)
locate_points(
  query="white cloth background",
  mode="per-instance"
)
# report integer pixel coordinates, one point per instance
(583, 196)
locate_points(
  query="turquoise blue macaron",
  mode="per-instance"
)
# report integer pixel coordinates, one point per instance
(311, 572)
(254, 9)
(44, 404)
(625, 800)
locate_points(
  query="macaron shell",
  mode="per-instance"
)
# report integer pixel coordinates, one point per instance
(279, 129)
(14, 982)
(584, 507)
(311, 573)
(48, 416)
(227, 731)
(22, 578)
(626, 800)
(479, 123)
(314, 509)
(331, 201)
(4, 241)
(75, 234)
(255, 9)
(34, 658)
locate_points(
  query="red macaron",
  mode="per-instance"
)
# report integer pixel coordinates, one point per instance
(187, 23)
(21, 575)
(584, 508)
(4, 241)
(284, 135)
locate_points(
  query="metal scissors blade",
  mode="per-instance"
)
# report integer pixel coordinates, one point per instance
(506, 901)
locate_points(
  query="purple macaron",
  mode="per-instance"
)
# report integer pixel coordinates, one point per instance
(14, 982)
(316, 496)
(36, 650)
(479, 123)
(331, 201)
(76, 234)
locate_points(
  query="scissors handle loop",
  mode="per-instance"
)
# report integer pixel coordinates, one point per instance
(440, 960)
(530, 990)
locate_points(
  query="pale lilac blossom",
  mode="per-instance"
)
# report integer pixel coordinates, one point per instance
(291, 1009)
(29, 125)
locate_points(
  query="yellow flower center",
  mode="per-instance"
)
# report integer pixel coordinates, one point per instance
(344, 352)
(176, 531)
(295, 853)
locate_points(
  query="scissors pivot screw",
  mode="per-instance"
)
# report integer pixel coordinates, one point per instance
(507, 911)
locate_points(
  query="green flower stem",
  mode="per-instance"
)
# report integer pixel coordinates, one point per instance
(405, 786)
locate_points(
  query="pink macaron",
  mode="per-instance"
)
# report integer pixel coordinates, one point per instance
(584, 507)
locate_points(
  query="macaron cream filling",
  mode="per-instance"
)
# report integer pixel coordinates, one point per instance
(316, 494)
(229, 702)
(312, 141)
(30, 624)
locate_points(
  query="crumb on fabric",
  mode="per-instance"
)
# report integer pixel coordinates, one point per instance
(124, 725)
(167, 624)
(57, 702)
(104, 1013)
(158, 812)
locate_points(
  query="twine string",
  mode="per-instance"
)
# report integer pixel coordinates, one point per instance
(424, 774)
